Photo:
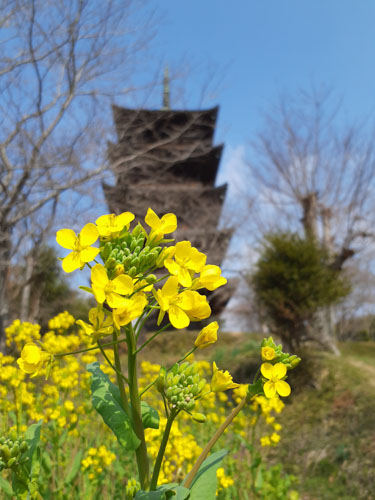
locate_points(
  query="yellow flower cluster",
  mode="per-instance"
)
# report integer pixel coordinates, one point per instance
(17, 334)
(224, 480)
(61, 322)
(124, 280)
(97, 460)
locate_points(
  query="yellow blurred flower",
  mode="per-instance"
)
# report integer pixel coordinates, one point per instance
(159, 227)
(131, 309)
(210, 278)
(33, 359)
(111, 224)
(110, 290)
(207, 336)
(187, 261)
(275, 384)
(268, 353)
(222, 381)
(80, 245)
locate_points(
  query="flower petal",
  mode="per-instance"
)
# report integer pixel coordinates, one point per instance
(71, 262)
(89, 254)
(88, 235)
(183, 250)
(279, 370)
(170, 287)
(115, 300)
(66, 238)
(178, 317)
(99, 293)
(269, 389)
(266, 370)
(124, 219)
(99, 276)
(123, 284)
(169, 223)
(283, 388)
(152, 219)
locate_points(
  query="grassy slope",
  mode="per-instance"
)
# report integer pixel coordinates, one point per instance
(328, 437)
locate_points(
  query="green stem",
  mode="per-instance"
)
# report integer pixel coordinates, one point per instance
(60, 355)
(119, 373)
(141, 451)
(163, 444)
(152, 338)
(120, 380)
(190, 477)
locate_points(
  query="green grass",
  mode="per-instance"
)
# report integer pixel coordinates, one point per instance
(328, 436)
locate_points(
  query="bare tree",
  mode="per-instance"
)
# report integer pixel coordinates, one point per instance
(61, 64)
(318, 172)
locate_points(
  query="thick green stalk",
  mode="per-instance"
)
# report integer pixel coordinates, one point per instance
(120, 380)
(190, 477)
(163, 444)
(141, 451)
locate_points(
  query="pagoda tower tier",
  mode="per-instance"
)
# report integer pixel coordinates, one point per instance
(166, 160)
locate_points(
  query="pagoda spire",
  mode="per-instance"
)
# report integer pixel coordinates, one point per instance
(166, 92)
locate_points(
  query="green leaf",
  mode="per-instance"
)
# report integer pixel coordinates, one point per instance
(72, 474)
(165, 492)
(150, 417)
(6, 487)
(254, 389)
(106, 400)
(32, 437)
(205, 482)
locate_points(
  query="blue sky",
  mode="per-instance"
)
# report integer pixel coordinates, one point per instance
(265, 47)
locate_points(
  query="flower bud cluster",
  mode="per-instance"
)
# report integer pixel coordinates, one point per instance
(11, 449)
(278, 356)
(183, 385)
(127, 253)
(132, 487)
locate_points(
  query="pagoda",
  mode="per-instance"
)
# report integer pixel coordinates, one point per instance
(165, 159)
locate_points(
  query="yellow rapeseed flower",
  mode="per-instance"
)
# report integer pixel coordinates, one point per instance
(111, 224)
(80, 245)
(33, 359)
(207, 336)
(100, 325)
(181, 307)
(275, 384)
(110, 290)
(131, 309)
(268, 353)
(222, 381)
(159, 227)
(187, 261)
(210, 278)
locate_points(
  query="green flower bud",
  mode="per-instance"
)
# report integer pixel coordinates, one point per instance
(133, 244)
(11, 462)
(183, 366)
(190, 405)
(135, 262)
(111, 263)
(160, 383)
(137, 249)
(24, 446)
(169, 392)
(199, 417)
(5, 451)
(127, 262)
(15, 451)
(132, 272)
(151, 278)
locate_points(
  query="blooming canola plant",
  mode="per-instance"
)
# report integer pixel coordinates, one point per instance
(128, 285)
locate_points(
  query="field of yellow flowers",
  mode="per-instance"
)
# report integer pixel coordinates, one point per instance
(81, 458)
